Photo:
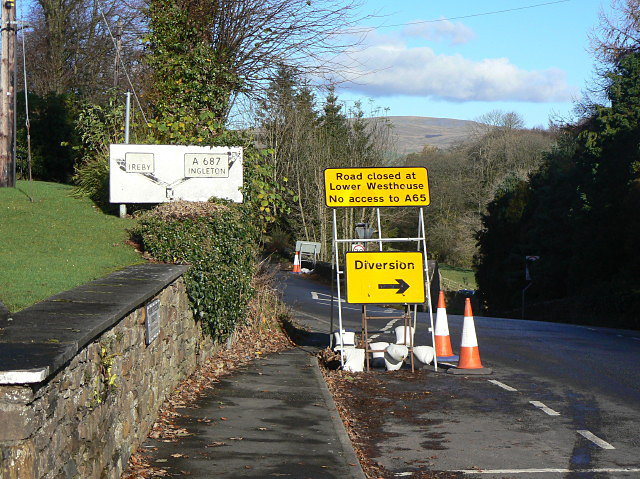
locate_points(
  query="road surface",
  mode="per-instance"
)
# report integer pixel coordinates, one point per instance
(563, 400)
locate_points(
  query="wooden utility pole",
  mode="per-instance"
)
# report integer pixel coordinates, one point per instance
(7, 92)
(116, 66)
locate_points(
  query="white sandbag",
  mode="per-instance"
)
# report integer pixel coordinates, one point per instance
(422, 355)
(379, 348)
(391, 364)
(394, 355)
(400, 335)
(348, 335)
(354, 360)
(397, 352)
(338, 349)
(377, 360)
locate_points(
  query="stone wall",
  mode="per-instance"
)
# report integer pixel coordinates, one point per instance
(95, 406)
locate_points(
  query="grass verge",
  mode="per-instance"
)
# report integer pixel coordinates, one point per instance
(55, 242)
(457, 278)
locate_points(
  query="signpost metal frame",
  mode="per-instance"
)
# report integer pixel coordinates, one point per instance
(421, 245)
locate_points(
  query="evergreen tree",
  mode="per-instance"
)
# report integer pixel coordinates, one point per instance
(579, 214)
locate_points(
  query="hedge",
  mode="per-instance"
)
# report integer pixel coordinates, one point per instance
(219, 240)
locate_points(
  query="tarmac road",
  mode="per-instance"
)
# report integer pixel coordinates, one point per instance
(563, 400)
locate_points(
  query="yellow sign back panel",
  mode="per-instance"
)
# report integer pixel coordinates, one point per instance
(385, 278)
(393, 186)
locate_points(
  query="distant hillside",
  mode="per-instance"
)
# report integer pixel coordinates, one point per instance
(413, 132)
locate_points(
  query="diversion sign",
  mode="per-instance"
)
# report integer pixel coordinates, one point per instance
(385, 277)
(377, 187)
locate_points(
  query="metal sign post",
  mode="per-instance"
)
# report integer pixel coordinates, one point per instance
(422, 232)
(338, 273)
(527, 277)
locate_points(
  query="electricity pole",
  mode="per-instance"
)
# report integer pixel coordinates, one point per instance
(116, 66)
(7, 92)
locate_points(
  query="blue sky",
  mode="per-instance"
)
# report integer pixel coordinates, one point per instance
(534, 61)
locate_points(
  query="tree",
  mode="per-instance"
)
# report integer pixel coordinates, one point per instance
(618, 34)
(304, 140)
(500, 146)
(464, 179)
(190, 86)
(53, 137)
(451, 218)
(250, 39)
(579, 213)
(70, 49)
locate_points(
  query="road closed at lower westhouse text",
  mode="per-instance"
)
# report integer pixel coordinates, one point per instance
(402, 186)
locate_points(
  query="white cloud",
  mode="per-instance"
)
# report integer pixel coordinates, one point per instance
(444, 30)
(391, 68)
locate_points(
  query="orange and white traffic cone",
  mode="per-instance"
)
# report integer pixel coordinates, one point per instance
(296, 263)
(443, 341)
(469, 355)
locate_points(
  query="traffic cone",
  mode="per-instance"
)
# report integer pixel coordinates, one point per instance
(469, 355)
(296, 263)
(443, 341)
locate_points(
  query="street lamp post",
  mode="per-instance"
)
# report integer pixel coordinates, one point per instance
(527, 277)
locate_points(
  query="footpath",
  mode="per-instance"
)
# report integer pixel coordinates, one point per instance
(273, 417)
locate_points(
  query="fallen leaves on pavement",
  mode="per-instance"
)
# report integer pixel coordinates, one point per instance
(250, 344)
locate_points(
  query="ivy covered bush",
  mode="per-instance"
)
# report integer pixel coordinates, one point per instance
(219, 240)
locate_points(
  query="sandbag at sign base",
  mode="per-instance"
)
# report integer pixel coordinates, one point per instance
(422, 355)
(394, 356)
(353, 360)
(377, 358)
(348, 335)
(404, 335)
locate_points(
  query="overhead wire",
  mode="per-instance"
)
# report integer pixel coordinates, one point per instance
(473, 15)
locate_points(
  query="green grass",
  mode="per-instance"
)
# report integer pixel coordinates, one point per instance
(457, 278)
(55, 243)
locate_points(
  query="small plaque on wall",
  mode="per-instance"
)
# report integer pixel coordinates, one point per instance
(152, 321)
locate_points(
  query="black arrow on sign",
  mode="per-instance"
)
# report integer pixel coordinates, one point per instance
(402, 286)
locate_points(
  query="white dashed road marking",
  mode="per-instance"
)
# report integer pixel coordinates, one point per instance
(595, 439)
(324, 297)
(544, 408)
(390, 324)
(502, 385)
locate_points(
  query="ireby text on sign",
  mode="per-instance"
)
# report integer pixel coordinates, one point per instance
(385, 277)
(376, 187)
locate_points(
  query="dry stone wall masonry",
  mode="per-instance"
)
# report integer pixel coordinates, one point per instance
(79, 386)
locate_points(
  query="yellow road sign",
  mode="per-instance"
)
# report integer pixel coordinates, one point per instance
(385, 278)
(392, 186)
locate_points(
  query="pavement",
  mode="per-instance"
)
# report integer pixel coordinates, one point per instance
(273, 417)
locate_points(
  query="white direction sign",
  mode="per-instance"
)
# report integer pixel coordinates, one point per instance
(161, 173)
